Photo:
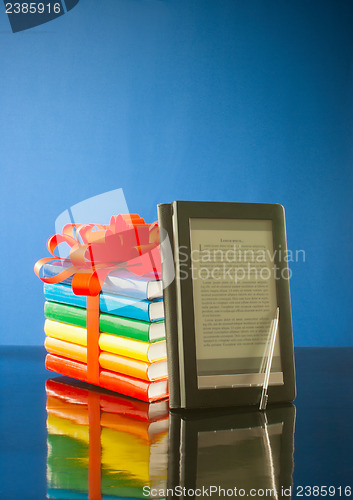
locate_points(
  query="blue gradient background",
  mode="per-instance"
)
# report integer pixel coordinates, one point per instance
(183, 99)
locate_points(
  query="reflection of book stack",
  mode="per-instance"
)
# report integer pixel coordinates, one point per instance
(132, 451)
(132, 347)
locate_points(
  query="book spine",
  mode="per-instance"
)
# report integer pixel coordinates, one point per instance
(130, 348)
(126, 424)
(127, 366)
(117, 404)
(62, 409)
(125, 327)
(123, 384)
(66, 367)
(66, 349)
(65, 314)
(131, 328)
(124, 306)
(110, 304)
(66, 332)
(127, 286)
(78, 414)
(170, 303)
(66, 392)
(132, 365)
(63, 294)
(124, 347)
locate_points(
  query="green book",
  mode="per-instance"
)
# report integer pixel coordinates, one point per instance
(67, 467)
(108, 323)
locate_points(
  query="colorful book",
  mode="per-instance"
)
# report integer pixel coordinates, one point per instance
(136, 388)
(135, 349)
(78, 392)
(130, 348)
(120, 282)
(108, 323)
(133, 367)
(66, 349)
(143, 310)
(78, 414)
(127, 366)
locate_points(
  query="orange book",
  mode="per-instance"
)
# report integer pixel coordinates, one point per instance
(78, 414)
(66, 349)
(147, 431)
(77, 392)
(133, 367)
(130, 386)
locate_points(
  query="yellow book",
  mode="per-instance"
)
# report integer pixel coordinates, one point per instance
(113, 362)
(136, 349)
(65, 427)
(130, 348)
(68, 333)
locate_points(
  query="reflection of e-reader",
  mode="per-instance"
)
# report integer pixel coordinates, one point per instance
(231, 287)
(242, 448)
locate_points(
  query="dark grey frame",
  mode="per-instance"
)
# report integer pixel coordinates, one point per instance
(191, 396)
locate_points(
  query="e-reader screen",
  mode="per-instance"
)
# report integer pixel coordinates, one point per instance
(249, 458)
(234, 292)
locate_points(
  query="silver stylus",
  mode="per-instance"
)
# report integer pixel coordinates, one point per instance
(264, 396)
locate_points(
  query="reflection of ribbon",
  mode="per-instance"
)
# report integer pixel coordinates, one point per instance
(95, 251)
(94, 444)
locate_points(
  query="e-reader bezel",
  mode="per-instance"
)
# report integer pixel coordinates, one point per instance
(184, 429)
(191, 395)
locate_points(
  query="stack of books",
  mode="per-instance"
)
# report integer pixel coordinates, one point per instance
(130, 454)
(132, 343)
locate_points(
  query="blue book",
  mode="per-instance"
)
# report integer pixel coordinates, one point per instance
(61, 494)
(119, 282)
(128, 307)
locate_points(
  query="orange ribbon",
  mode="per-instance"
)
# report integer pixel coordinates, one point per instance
(96, 250)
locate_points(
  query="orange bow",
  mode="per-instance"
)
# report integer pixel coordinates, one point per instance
(96, 250)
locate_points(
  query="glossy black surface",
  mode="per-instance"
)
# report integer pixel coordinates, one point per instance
(323, 437)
